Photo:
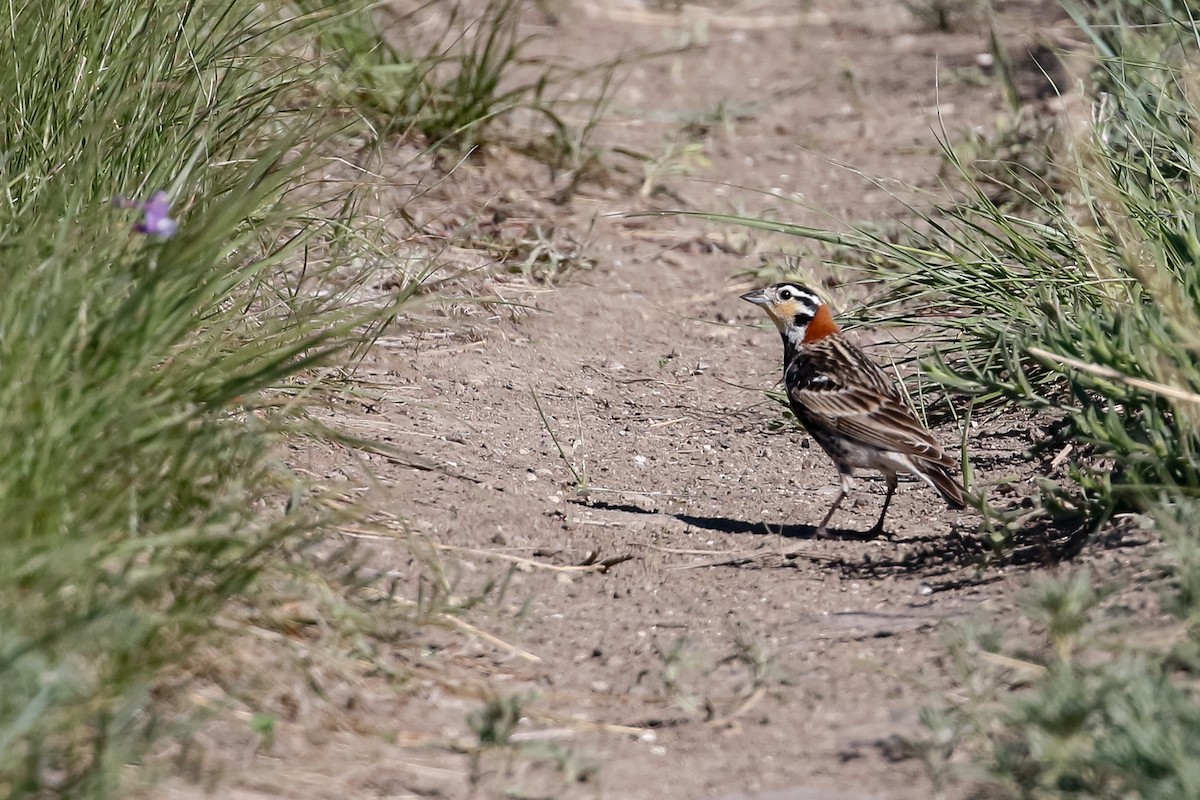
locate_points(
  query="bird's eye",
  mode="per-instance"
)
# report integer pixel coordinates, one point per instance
(786, 294)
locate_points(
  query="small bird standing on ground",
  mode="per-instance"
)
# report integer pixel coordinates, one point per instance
(848, 403)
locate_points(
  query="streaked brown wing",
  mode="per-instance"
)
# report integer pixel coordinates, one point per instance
(842, 389)
(868, 418)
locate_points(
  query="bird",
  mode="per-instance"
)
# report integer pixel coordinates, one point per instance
(848, 404)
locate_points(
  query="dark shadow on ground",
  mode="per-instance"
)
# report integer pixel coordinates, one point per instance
(1043, 544)
(731, 525)
(788, 531)
(626, 508)
(959, 558)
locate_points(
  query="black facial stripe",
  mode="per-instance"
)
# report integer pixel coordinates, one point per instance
(806, 308)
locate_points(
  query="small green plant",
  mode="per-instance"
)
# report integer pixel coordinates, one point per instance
(682, 664)
(495, 727)
(542, 254)
(495, 723)
(264, 725)
(676, 159)
(578, 471)
(756, 656)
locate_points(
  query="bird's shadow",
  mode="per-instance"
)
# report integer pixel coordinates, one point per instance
(937, 555)
(731, 525)
(786, 530)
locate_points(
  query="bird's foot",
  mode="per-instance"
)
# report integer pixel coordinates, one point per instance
(878, 531)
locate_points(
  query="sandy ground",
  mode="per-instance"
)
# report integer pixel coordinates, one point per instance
(677, 632)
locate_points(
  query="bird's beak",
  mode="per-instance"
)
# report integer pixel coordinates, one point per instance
(758, 297)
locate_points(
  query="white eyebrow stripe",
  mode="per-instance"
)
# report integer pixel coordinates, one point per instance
(807, 306)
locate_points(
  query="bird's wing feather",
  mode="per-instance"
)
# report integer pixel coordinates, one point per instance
(871, 419)
(861, 403)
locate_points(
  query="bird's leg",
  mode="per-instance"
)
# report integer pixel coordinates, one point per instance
(847, 483)
(891, 484)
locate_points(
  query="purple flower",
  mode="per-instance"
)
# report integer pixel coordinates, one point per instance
(157, 214)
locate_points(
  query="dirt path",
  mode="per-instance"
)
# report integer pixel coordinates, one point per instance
(728, 652)
(683, 473)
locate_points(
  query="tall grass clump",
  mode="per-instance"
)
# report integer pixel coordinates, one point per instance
(449, 89)
(146, 381)
(1086, 308)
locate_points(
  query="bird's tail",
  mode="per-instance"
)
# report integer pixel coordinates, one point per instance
(946, 484)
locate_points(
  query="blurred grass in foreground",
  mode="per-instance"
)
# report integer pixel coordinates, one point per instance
(148, 382)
